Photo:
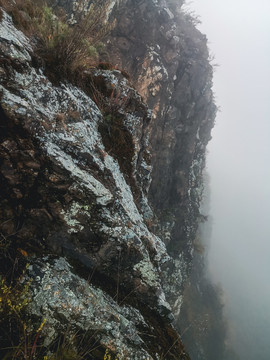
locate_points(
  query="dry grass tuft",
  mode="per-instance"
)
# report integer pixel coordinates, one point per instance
(63, 48)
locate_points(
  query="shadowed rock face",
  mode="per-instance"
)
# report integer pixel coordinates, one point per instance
(112, 196)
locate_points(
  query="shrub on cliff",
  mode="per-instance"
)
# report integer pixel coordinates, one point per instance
(64, 47)
(17, 340)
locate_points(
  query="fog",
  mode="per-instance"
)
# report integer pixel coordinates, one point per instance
(239, 167)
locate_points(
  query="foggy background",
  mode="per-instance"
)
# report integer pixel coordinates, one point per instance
(239, 166)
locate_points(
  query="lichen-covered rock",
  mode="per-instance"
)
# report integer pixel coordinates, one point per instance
(66, 300)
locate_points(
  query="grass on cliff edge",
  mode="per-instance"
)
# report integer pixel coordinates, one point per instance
(64, 46)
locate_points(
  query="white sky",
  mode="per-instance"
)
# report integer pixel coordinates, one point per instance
(239, 159)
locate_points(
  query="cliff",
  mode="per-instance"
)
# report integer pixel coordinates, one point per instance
(169, 60)
(101, 182)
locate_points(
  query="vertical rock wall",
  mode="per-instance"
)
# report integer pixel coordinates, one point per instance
(168, 60)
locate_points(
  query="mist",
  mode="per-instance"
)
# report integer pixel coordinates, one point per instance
(239, 167)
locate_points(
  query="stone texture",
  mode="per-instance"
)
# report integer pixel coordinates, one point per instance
(111, 187)
(66, 195)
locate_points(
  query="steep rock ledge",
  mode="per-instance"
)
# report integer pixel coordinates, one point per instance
(168, 58)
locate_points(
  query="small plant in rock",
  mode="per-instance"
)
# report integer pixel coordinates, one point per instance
(13, 299)
(109, 356)
(17, 340)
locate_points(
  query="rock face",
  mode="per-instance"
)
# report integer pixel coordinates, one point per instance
(72, 302)
(169, 61)
(106, 203)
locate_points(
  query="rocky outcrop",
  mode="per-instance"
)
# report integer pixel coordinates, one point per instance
(103, 194)
(169, 61)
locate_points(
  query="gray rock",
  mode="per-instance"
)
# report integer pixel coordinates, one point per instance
(71, 306)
